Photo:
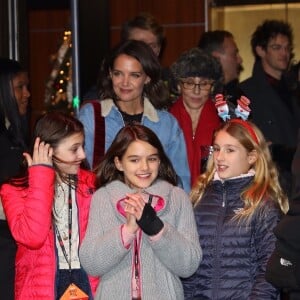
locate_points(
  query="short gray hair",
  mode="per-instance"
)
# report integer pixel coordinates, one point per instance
(197, 63)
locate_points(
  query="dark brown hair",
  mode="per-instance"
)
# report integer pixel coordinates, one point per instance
(107, 171)
(155, 90)
(143, 21)
(51, 128)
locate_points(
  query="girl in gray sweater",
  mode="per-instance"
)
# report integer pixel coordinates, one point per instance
(141, 236)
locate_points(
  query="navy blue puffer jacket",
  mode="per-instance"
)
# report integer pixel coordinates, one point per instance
(235, 253)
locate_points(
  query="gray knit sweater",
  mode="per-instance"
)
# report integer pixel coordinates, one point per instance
(176, 254)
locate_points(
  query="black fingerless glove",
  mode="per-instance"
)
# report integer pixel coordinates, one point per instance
(149, 222)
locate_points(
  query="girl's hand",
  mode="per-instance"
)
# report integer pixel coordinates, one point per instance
(131, 224)
(135, 203)
(133, 208)
(42, 154)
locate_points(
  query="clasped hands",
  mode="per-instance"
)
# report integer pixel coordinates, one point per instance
(142, 215)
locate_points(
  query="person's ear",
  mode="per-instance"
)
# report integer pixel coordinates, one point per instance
(260, 51)
(118, 164)
(252, 157)
(216, 54)
(148, 79)
(179, 88)
(158, 51)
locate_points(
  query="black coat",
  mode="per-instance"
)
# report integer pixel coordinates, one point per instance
(278, 118)
(283, 268)
(11, 156)
(277, 113)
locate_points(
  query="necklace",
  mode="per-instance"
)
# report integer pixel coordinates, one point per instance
(131, 119)
(60, 201)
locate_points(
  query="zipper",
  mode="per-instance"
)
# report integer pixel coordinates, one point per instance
(223, 195)
(217, 258)
(137, 273)
(136, 267)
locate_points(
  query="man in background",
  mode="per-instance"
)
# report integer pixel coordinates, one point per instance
(144, 27)
(274, 108)
(221, 45)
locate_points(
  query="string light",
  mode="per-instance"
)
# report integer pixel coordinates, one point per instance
(58, 93)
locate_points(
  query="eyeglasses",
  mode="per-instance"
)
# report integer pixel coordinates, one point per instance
(203, 85)
(277, 47)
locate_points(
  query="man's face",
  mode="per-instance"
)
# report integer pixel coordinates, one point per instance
(230, 59)
(276, 57)
(147, 37)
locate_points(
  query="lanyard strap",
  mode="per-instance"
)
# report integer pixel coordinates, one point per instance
(137, 244)
(61, 243)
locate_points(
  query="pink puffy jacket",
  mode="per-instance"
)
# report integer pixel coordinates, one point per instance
(28, 212)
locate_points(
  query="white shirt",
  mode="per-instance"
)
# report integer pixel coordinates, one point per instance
(60, 213)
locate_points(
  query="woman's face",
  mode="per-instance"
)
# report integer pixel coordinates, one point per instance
(70, 153)
(128, 79)
(140, 164)
(195, 91)
(20, 88)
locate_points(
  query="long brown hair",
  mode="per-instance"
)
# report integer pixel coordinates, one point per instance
(107, 171)
(155, 90)
(52, 128)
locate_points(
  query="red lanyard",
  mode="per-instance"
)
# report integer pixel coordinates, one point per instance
(136, 257)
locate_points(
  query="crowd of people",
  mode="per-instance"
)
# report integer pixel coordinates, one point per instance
(174, 183)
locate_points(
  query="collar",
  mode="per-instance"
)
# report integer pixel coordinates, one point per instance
(149, 110)
(271, 80)
(250, 173)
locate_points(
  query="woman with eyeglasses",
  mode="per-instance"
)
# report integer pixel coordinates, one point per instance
(198, 75)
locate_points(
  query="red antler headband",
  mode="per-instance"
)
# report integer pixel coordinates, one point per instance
(247, 126)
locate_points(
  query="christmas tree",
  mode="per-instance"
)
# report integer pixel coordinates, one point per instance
(58, 93)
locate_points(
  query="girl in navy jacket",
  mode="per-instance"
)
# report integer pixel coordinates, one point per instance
(238, 201)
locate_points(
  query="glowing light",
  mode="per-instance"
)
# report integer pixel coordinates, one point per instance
(76, 102)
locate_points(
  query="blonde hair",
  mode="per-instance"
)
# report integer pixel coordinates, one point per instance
(265, 183)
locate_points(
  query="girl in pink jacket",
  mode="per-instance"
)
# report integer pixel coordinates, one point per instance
(47, 212)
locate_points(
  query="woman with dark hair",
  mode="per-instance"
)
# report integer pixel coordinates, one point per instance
(198, 75)
(141, 234)
(47, 212)
(131, 91)
(14, 97)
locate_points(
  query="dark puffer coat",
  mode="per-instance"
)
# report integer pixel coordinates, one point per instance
(234, 254)
(283, 268)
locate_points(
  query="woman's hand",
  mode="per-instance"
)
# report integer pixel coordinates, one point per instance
(42, 154)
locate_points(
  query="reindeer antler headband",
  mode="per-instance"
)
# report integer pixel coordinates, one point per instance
(242, 112)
